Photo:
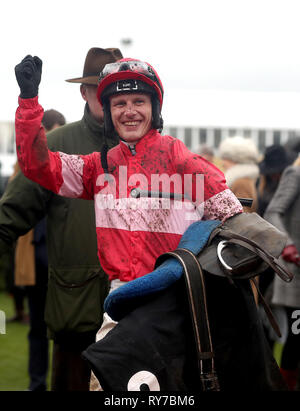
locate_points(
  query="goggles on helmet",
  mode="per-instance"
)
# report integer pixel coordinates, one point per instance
(129, 69)
(128, 65)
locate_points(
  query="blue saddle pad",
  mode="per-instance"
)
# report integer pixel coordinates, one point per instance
(120, 301)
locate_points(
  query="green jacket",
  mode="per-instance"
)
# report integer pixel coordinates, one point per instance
(77, 285)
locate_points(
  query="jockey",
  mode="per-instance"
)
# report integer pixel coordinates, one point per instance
(132, 231)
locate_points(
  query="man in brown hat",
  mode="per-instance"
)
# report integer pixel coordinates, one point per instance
(76, 287)
(95, 58)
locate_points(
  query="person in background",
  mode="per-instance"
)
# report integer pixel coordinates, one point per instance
(292, 147)
(206, 152)
(77, 285)
(53, 119)
(31, 271)
(275, 160)
(239, 157)
(283, 213)
(209, 154)
(14, 286)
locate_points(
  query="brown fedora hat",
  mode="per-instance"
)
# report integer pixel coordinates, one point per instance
(95, 61)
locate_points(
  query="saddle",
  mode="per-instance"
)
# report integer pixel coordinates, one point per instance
(193, 324)
(240, 249)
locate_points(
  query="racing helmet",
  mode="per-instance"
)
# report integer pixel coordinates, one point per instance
(130, 76)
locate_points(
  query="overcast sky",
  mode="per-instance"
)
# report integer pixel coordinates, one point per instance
(222, 62)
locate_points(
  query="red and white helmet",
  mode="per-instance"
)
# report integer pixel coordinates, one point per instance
(130, 76)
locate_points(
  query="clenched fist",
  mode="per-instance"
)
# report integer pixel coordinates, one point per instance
(28, 74)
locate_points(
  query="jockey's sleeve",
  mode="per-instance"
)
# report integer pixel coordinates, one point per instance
(64, 174)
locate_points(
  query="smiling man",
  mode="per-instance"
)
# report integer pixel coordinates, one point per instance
(131, 115)
(132, 236)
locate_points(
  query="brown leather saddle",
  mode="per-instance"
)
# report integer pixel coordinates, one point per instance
(240, 249)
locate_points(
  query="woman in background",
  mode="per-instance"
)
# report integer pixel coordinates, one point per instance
(283, 213)
(239, 157)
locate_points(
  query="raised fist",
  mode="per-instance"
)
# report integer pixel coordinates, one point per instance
(28, 74)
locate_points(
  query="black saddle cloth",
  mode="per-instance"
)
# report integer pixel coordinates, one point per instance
(156, 336)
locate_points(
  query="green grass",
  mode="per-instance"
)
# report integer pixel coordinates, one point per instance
(13, 351)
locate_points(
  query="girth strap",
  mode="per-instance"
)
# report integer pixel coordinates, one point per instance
(267, 309)
(195, 285)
